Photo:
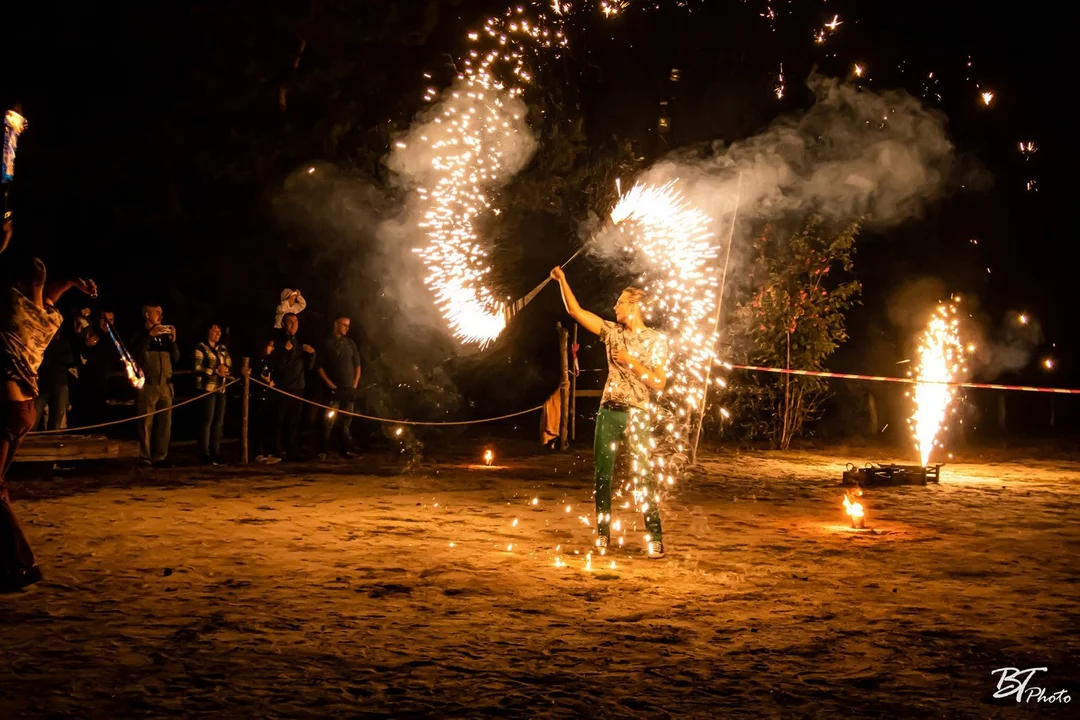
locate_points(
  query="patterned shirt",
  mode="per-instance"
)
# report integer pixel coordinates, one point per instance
(647, 346)
(25, 331)
(207, 360)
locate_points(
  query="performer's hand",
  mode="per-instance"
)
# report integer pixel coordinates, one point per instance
(331, 385)
(92, 340)
(221, 370)
(307, 348)
(288, 344)
(621, 358)
(86, 286)
(158, 331)
(558, 275)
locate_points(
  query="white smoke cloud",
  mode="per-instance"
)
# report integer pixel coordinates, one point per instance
(882, 156)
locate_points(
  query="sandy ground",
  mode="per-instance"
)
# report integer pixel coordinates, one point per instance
(365, 589)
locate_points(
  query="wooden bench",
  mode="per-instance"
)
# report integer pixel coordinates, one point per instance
(68, 448)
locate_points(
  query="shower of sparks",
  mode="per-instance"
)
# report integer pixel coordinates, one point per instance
(941, 358)
(671, 239)
(474, 134)
(834, 23)
(1028, 148)
(1032, 186)
(987, 98)
(779, 89)
(611, 8)
(475, 125)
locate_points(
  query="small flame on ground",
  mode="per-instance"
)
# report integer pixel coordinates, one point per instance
(488, 457)
(855, 512)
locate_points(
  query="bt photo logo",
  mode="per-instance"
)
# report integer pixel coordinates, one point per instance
(1015, 682)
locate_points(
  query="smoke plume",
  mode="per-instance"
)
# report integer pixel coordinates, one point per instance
(880, 156)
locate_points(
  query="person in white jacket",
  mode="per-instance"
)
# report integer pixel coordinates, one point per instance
(291, 302)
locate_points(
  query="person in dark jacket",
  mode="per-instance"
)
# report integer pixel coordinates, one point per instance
(339, 370)
(291, 360)
(100, 358)
(155, 350)
(262, 407)
(54, 380)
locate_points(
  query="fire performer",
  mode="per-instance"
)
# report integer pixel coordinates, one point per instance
(637, 366)
(28, 322)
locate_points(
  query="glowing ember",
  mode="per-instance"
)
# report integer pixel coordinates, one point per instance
(1048, 363)
(858, 70)
(940, 360)
(987, 98)
(1028, 148)
(779, 89)
(855, 512)
(488, 457)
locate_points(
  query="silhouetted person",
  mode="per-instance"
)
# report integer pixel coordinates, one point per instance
(290, 362)
(213, 366)
(155, 351)
(339, 369)
(28, 321)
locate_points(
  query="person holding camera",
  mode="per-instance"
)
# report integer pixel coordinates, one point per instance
(154, 350)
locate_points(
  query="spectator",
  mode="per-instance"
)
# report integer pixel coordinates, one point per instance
(28, 321)
(292, 302)
(154, 349)
(54, 380)
(212, 367)
(339, 369)
(262, 409)
(291, 360)
(100, 359)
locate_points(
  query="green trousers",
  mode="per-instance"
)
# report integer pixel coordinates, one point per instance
(626, 432)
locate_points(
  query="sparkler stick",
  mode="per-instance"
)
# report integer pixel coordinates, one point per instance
(716, 322)
(14, 124)
(134, 373)
(514, 308)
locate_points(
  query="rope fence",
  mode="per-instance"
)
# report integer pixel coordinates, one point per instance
(905, 380)
(391, 421)
(69, 430)
(450, 423)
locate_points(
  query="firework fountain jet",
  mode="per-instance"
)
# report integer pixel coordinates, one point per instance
(941, 357)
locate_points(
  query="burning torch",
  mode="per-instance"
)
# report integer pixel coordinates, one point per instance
(14, 124)
(134, 373)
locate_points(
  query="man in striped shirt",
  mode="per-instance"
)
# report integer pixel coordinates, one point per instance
(212, 367)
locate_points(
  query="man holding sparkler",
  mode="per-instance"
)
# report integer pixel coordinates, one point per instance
(28, 322)
(637, 366)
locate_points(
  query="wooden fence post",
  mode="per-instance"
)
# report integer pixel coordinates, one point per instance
(573, 397)
(245, 408)
(564, 387)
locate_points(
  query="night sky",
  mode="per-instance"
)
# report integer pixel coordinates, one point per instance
(157, 147)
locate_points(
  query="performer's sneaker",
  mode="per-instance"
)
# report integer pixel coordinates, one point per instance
(656, 550)
(16, 581)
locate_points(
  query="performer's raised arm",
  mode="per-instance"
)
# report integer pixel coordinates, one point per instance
(589, 321)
